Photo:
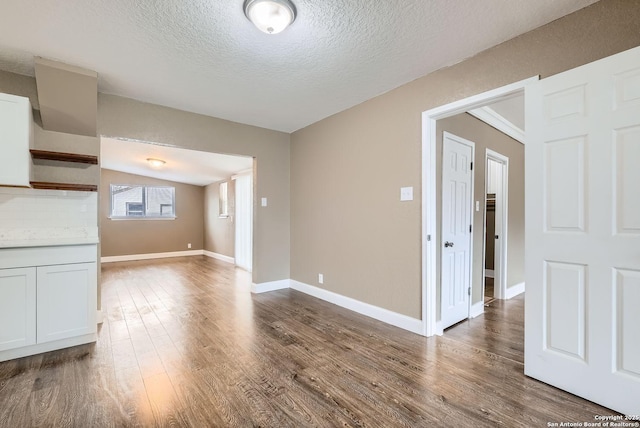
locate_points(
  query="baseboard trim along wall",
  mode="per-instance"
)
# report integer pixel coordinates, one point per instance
(264, 287)
(514, 290)
(131, 257)
(402, 321)
(220, 257)
(477, 309)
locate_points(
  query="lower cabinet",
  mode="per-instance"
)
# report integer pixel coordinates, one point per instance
(17, 308)
(66, 301)
(43, 308)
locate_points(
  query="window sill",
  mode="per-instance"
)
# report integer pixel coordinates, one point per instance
(141, 218)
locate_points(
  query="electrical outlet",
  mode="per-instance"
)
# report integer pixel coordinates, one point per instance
(189, 245)
(320, 278)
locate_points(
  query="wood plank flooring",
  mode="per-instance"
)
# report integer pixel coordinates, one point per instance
(184, 343)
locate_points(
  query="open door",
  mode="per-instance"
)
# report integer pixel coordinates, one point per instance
(244, 221)
(583, 231)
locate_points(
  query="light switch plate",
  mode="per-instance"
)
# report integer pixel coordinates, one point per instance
(406, 193)
(264, 202)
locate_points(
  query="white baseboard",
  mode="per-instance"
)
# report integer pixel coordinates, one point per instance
(514, 290)
(99, 316)
(264, 287)
(131, 257)
(402, 321)
(477, 309)
(489, 273)
(220, 257)
(439, 329)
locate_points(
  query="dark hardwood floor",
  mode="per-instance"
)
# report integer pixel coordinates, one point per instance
(488, 290)
(184, 343)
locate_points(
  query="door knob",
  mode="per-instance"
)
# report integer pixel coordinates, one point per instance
(448, 244)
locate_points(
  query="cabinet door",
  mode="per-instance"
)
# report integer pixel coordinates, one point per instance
(17, 308)
(15, 138)
(66, 301)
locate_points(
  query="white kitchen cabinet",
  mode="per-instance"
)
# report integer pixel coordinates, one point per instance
(16, 136)
(48, 299)
(66, 302)
(17, 308)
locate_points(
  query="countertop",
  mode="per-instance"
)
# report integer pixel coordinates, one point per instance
(48, 237)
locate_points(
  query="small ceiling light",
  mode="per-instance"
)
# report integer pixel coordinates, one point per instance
(156, 163)
(270, 16)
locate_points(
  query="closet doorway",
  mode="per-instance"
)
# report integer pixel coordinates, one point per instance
(495, 237)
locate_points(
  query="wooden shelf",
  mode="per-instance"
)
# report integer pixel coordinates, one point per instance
(64, 157)
(64, 186)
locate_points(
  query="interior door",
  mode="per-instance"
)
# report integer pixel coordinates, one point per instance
(583, 231)
(457, 197)
(244, 222)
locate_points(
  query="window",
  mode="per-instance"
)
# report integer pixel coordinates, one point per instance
(134, 201)
(224, 199)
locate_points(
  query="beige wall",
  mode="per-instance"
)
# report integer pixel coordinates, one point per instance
(16, 84)
(485, 137)
(124, 237)
(347, 170)
(127, 118)
(219, 232)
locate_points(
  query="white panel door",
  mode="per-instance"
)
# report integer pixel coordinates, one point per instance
(66, 301)
(244, 222)
(17, 308)
(582, 317)
(457, 198)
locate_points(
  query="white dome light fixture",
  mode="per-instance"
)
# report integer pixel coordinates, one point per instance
(156, 163)
(270, 16)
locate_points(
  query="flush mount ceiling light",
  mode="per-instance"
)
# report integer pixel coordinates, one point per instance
(156, 163)
(270, 16)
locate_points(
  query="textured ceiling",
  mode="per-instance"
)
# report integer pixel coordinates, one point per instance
(205, 56)
(183, 166)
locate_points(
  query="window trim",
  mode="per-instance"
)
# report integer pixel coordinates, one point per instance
(144, 204)
(223, 204)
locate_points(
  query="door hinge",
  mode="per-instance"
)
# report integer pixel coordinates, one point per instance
(469, 228)
(471, 166)
(428, 238)
(469, 291)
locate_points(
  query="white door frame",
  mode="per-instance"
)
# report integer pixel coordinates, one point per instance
(429, 192)
(500, 289)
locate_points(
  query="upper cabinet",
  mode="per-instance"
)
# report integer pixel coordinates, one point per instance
(16, 137)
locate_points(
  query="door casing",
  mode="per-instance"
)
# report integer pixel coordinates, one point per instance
(430, 238)
(500, 285)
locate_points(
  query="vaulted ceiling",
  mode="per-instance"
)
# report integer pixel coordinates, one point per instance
(204, 56)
